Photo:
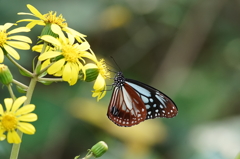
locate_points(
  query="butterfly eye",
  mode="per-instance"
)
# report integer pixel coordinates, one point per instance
(133, 102)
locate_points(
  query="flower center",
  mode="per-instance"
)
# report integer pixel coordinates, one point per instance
(52, 18)
(70, 53)
(9, 121)
(103, 70)
(3, 37)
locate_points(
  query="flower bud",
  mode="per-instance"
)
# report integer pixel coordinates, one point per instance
(99, 149)
(91, 74)
(5, 75)
(48, 31)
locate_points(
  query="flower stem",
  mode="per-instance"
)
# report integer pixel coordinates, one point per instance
(18, 65)
(20, 84)
(33, 82)
(50, 79)
(11, 91)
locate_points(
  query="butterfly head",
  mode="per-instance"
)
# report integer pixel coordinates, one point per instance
(119, 80)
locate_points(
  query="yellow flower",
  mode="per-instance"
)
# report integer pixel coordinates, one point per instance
(100, 84)
(57, 22)
(8, 43)
(15, 117)
(66, 57)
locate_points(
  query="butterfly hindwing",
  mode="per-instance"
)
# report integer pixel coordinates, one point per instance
(126, 107)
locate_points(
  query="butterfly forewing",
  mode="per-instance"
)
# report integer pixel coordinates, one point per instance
(157, 104)
(126, 107)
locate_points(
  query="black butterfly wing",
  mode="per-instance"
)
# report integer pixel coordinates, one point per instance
(157, 103)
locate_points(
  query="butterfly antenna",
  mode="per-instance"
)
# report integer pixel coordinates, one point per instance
(116, 63)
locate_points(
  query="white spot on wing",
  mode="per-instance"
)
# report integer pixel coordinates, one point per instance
(151, 100)
(127, 98)
(147, 106)
(144, 99)
(140, 89)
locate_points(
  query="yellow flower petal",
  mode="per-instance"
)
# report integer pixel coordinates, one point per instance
(19, 45)
(35, 11)
(1, 55)
(18, 102)
(2, 137)
(51, 40)
(25, 109)
(84, 46)
(57, 30)
(27, 128)
(56, 66)
(75, 72)
(6, 26)
(28, 117)
(99, 94)
(67, 72)
(45, 64)
(71, 38)
(70, 73)
(100, 83)
(35, 22)
(89, 56)
(59, 73)
(20, 38)
(49, 54)
(1, 109)
(12, 137)
(8, 103)
(23, 13)
(90, 65)
(37, 48)
(73, 32)
(12, 52)
(18, 30)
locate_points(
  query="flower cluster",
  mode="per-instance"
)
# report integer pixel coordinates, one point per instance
(64, 54)
(67, 53)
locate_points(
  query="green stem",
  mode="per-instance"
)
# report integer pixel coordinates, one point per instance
(50, 79)
(18, 65)
(33, 82)
(45, 69)
(20, 84)
(11, 91)
(39, 62)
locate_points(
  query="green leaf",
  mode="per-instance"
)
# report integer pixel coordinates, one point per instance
(21, 90)
(25, 73)
(46, 82)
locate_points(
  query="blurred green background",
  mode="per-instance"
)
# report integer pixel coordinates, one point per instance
(188, 49)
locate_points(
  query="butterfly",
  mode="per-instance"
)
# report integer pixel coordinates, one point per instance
(133, 102)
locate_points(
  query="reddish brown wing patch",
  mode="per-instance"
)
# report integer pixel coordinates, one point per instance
(126, 108)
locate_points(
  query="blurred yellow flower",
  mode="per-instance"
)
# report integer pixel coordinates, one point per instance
(57, 22)
(15, 117)
(8, 43)
(66, 57)
(100, 84)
